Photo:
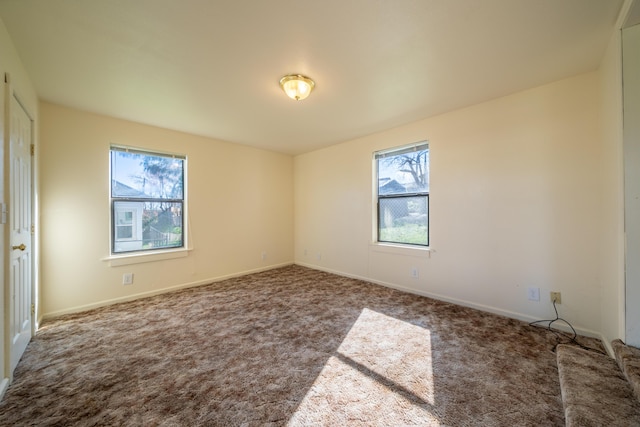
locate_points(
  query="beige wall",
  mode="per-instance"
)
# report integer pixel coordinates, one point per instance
(526, 191)
(239, 199)
(516, 201)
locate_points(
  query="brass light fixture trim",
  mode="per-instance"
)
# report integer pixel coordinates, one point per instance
(297, 86)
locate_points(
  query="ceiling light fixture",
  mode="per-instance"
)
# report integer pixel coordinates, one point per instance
(296, 86)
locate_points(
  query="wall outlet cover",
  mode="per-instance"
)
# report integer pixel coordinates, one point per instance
(127, 279)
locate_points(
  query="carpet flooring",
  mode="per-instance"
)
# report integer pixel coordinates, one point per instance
(291, 346)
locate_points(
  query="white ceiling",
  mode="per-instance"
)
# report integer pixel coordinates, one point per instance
(211, 67)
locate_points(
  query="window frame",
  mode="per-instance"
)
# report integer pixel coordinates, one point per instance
(377, 156)
(114, 200)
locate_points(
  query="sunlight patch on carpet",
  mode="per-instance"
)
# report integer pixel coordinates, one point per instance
(384, 366)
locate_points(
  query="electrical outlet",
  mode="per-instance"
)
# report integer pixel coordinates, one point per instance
(415, 273)
(555, 296)
(264, 256)
(127, 279)
(533, 294)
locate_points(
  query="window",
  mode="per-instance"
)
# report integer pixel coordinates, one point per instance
(403, 194)
(124, 225)
(147, 200)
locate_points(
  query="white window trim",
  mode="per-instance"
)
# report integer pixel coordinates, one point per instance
(149, 256)
(401, 249)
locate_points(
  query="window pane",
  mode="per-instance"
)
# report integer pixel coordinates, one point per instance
(149, 176)
(147, 193)
(154, 225)
(406, 172)
(404, 220)
(124, 217)
(162, 225)
(124, 232)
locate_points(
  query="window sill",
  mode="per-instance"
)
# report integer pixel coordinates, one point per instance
(397, 249)
(139, 258)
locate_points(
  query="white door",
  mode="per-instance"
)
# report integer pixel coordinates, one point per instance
(20, 313)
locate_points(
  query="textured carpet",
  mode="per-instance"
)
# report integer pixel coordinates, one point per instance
(595, 390)
(291, 346)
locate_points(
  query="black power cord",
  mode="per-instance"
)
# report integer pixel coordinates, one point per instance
(573, 339)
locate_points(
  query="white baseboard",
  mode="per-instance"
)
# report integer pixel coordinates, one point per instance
(4, 384)
(147, 294)
(501, 312)
(464, 303)
(607, 346)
